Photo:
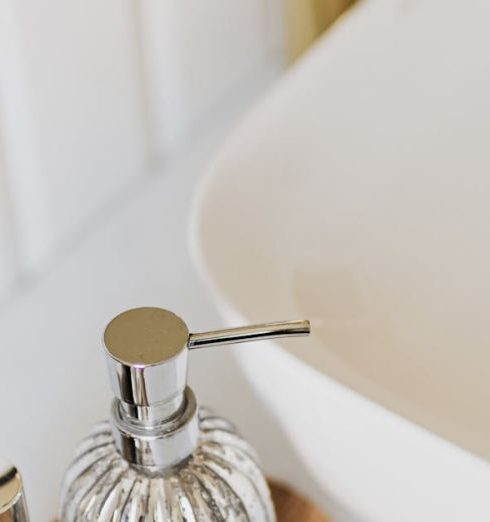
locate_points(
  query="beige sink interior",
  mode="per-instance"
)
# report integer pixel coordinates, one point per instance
(358, 195)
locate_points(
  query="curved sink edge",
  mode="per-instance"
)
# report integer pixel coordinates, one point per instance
(232, 316)
(415, 445)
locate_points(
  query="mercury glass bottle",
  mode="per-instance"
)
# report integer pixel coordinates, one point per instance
(160, 457)
(12, 500)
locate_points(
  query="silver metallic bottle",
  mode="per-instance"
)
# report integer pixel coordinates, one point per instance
(160, 457)
(12, 499)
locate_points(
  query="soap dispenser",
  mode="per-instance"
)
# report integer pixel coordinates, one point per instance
(161, 457)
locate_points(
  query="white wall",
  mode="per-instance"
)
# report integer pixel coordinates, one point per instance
(93, 94)
(76, 73)
(215, 45)
(7, 259)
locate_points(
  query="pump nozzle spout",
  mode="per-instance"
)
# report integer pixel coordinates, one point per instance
(246, 334)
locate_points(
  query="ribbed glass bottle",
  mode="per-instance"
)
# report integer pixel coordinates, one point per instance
(220, 481)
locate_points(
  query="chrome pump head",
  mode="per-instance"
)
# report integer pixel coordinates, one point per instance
(154, 414)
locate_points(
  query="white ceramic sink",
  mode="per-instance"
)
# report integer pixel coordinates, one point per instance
(358, 195)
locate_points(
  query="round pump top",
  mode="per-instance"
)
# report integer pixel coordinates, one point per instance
(147, 351)
(145, 336)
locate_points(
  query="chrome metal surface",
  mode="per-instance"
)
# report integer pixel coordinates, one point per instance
(246, 334)
(153, 414)
(156, 460)
(12, 499)
(221, 481)
(147, 350)
(157, 446)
